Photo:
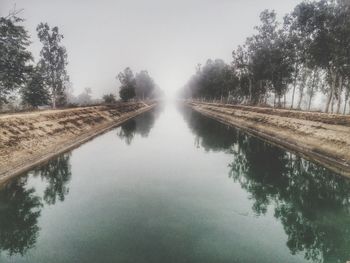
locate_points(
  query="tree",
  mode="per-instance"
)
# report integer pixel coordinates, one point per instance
(14, 56)
(35, 93)
(144, 85)
(298, 42)
(127, 93)
(215, 80)
(109, 98)
(311, 49)
(53, 63)
(242, 65)
(326, 23)
(271, 43)
(128, 84)
(314, 84)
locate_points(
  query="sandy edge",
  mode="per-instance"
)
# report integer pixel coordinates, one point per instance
(333, 164)
(30, 163)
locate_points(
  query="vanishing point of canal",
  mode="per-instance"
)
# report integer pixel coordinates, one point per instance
(174, 186)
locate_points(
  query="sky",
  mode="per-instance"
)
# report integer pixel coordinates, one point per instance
(166, 38)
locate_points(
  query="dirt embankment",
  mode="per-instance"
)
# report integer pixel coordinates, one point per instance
(324, 138)
(28, 139)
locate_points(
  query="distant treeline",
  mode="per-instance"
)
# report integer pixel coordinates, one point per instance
(140, 87)
(46, 83)
(306, 55)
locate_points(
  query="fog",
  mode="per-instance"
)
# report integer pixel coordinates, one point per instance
(167, 38)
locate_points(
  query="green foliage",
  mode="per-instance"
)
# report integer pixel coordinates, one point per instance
(310, 51)
(53, 63)
(128, 84)
(14, 56)
(109, 98)
(141, 86)
(127, 93)
(34, 93)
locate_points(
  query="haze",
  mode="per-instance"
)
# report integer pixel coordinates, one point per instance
(167, 38)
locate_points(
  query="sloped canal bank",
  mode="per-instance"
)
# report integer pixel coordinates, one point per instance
(320, 137)
(174, 186)
(30, 138)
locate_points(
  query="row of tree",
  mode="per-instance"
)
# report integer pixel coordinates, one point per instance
(305, 197)
(140, 86)
(43, 83)
(47, 82)
(307, 54)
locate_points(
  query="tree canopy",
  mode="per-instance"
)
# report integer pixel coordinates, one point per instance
(14, 56)
(305, 53)
(140, 86)
(53, 62)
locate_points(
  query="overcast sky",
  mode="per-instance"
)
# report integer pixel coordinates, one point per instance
(167, 38)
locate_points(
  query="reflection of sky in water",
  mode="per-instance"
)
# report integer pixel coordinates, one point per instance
(173, 186)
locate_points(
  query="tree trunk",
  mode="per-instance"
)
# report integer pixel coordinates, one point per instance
(309, 105)
(312, 90)
(261, 97)
(302, 87)
(332, 105)
(54, 100)
(340, 89)
(301, 97)
(284, 100)
(250, 91)
(294, 87)
(346, 101)
(347, 94)
(330, 96)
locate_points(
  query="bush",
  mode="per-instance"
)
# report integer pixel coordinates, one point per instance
(109, 98)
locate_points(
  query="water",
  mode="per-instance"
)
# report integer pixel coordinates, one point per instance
(174, 186)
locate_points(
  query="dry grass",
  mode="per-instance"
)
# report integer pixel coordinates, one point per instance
(26, 137)
(322, 137)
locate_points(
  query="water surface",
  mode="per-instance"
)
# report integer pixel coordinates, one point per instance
(174, 186)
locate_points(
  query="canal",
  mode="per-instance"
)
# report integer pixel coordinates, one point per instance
(174, 186)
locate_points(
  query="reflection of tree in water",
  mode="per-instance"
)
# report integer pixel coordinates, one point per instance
(145, 123)
(139, 125)
(20, 206)
(57, 172)
(209, 134)
(312, 203)
(127, 131)
(19, 213)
